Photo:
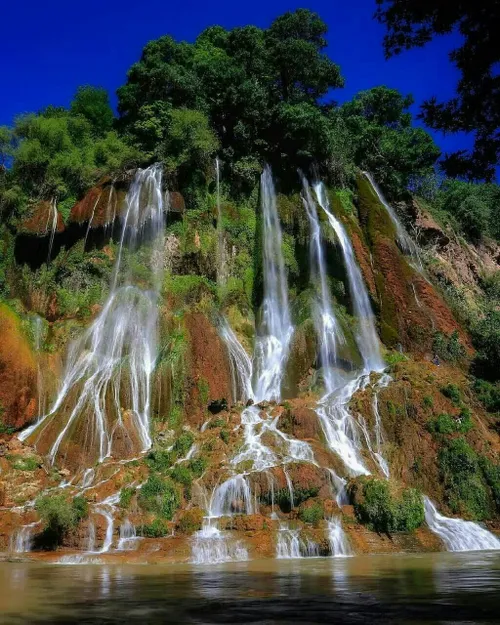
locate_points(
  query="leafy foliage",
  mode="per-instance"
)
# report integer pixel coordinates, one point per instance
(160, 496)
(476, 106)
(378, 508)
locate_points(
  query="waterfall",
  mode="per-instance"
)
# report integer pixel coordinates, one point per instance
(290, 544)
(53, 228)
(404, 240)
(91, 537)
(22, 540)
(239, 362)
(110, 366)
(339, 545)
(276, 328)
(211, 545)
(327, 326)
(366, 336)
(128, 536)
(457, 534)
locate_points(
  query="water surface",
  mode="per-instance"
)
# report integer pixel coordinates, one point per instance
(427, 588)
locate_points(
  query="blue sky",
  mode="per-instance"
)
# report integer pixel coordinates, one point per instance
(49, 48)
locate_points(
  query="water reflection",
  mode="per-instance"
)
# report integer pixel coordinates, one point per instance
(437, 588)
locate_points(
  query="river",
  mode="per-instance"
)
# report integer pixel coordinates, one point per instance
(426, 588)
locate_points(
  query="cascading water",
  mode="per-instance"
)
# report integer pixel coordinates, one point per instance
(404, 240)
(339, 545)
(266, 370)
(53, 227)
(276, 328)
(290, 544)
(240, 363)
(366, 336)
(22, 540)
(128, 536)
(340, 428)
(110, 366)
(327, 327)
(457, 534)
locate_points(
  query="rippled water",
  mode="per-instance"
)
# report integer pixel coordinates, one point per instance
(437, 588)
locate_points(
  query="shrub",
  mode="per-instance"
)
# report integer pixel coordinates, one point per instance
(447, 424)
(159, 495)
(159, 460)
(183, 444)
(312, 514)
(381, 511)
(225, 436)
(126, 495)
(197, 466)
(491, 474)
(216, 423)
(156, 529)
(488, 394)
(486, 337)
(451, 391)
(428, 401)
(191, 521)
(58, 515)
(448, 348)
(465, 488)
(181, 474)
(80, 508)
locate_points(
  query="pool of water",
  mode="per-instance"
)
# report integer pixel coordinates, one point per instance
(427, 588)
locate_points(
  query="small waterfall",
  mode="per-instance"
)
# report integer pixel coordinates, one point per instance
(110, 366)
(276, 328)
(339, 544)
(211, 546)
(22, 540)
(291, 545)
(405, 242)
(128, 536)
(379, 436)
(38, 335)
(53, 227)
(366, 337)
(240, 363)
(107, 510)
(90, 546)
(327, 326)
(457, 534)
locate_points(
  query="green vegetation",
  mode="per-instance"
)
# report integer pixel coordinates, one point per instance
(448, 348)
(126, 495)
(27, 463)
(312, 514)
(155, 529)
(376, 506)
(198, 466)
(466, 490)
(160, 496)
(447, 424)
(452, 392)
(183, 444)
(58, 516)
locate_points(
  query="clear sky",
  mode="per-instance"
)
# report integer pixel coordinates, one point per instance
(51, 47)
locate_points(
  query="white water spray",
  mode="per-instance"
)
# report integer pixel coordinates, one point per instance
(457, 534)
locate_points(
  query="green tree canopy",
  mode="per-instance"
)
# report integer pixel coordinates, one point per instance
(476, 107)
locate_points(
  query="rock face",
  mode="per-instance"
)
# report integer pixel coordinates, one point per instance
(209, 377)
(41, 221)
(18, 375)
(100, 205)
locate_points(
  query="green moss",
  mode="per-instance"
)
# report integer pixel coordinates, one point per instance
(428, 401)
(28, 463)
(203, 391)
(182, 475)
(225, 436)
(189, 289)
(160, 460)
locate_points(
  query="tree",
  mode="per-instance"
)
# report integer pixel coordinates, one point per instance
(244, 80)
(476, 107)
(384, 141)
(92, 103)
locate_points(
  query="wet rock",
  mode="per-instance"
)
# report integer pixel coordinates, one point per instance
(249, 403)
